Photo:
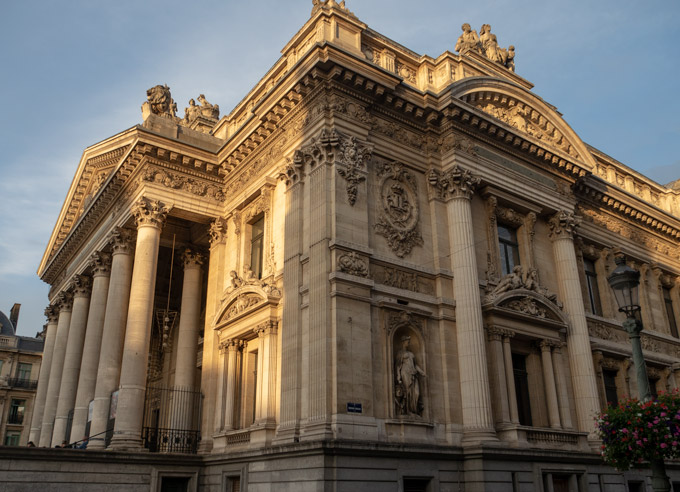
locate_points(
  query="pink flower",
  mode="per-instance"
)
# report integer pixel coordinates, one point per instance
(664, 445)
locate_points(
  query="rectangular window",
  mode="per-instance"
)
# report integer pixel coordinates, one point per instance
(257, 247)
(509, 248)
(233, 484)
(610, 386)
(670, 313)
(12, 439)
(16, 412)
(519, 367)
(24, 372)
(416, 484)
(652, 388)
(593, 290)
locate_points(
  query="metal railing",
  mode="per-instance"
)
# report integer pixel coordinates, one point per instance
(30, 384)
(172, 420)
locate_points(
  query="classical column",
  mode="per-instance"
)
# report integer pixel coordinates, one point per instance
(210, 370)
(150, 216)
(510, 376)
(65, 305)
(111, 353)
(498, 367)
(101, 272)
(266, 387)
(187, 342)
(562, 226)
(231, 347)
(549, 384)
(43, 379)
(456, 187)
(560, 380)
(82, 287)
(289, 417)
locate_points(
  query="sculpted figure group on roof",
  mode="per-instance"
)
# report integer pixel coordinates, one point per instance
(485, 44)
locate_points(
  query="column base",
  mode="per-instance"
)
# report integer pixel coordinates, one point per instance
(473, 437)
(205, 446)
(59, 431)
(315, 430)
(123, 442)
(96, 443)
(286, 435)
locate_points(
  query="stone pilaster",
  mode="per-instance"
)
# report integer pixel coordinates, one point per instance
(187, 340)
(499, 386)
(232, 348)
(289, 416)
(150, 216)
(82, 288)
(561, 381)
(113, 334)
(265, 406)
(549, 384)
(101, 273)
(586, 400)
(456, 187)
(43, 379)
(510, 377)
(65, 306)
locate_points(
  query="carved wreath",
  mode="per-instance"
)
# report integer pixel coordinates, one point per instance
(398, 219)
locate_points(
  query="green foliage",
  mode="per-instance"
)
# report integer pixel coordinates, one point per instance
(635, 432)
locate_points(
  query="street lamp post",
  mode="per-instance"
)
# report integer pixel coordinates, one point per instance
(625, 281)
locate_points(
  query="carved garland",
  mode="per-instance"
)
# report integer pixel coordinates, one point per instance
(179, 182)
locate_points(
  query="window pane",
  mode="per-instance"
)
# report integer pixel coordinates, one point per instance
(25, 371)
(610, 386)
(509, 249)
(670, 313)
(257, 247)
(593, 289)
(519, 367)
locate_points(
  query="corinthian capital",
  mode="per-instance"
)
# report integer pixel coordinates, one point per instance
(149, 213)
(101, 264)
(563, 224)
(218, 231)
(121, 241)
(52, 314)
(454, 183)
(192, 259)
(64, 302)
(82, 286)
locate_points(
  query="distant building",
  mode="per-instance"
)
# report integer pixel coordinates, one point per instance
(20, 359)
(380, 271)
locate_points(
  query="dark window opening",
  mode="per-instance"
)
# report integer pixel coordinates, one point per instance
(257, 247)
(416, 484)
(670, 313)
(519, 367)
(175, 484)
(593, 289)
(509, 249)
(16, 412)
(610, 386)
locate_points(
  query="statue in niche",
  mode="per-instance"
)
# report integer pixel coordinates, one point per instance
(468, 41)
(407, 388)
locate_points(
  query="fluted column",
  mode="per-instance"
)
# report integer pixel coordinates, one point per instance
(510, 377)
(65, 305)
(289, 417)
(549, 384)
(266, 388)
(560, 380)
(111, 354)
(498, 367)
(212, 364)
(456, 187)
(150, 216)
(562, 226)
(82, 288)
(187, 340)
(101, 273)
(43, 379)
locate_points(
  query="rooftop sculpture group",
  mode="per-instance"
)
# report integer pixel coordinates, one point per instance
(159, 101)
(485, 44)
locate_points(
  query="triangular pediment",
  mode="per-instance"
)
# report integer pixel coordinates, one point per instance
(524, 113)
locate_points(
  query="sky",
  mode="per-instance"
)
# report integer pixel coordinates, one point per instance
(75, 72)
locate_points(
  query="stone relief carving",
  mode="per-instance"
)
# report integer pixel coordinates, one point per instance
(241, 304)
(269, 287)
(179, 182)
(353, 264)
(398, 199)
(453, 183)
(563, 224)
(217, 231)
(527, 120)
(526, 305)
(160, 102)
(520, 279)
(407, 398)
(351, 159)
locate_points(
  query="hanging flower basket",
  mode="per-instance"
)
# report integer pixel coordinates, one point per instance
(635, 432)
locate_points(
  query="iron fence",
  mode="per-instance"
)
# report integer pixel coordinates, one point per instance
(172, 420)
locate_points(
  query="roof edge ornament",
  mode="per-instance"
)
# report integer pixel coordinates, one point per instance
(485, 44)
(329, 4)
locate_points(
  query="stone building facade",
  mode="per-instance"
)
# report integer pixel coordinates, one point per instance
(381, 270)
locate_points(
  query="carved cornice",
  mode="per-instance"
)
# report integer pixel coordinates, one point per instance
(150, 213)
(563, 224)
(100, 263)
(626, 209)
(454, 183)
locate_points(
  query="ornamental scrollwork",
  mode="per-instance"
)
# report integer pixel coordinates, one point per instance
(241, 304)
(351, 163)
(178, 182)
(528, 306)
(398, 219)
(353, 264)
